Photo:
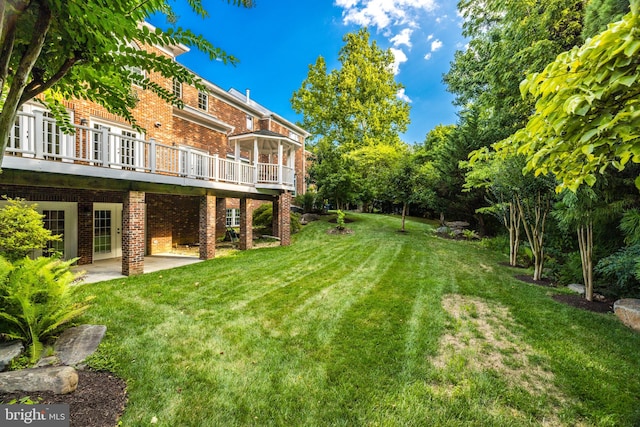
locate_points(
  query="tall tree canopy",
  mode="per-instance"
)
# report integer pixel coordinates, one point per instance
(352, 111)
(507, 41)
(85, 49)
(587, 112)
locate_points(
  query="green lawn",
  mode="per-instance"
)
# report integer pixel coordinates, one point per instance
(374, 328)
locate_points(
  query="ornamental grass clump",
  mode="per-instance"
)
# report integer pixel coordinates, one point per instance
(36, 300)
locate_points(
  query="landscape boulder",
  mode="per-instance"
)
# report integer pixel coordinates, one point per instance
(57, 379)
(9, 351)
(575, 287)
(75, 344)
(628, 311)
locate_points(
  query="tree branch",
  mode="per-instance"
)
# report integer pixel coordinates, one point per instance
(36, 87)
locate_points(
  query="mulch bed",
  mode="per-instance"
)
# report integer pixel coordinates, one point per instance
(528, 279)
(98, 401)
(579, 301)
(574, 300)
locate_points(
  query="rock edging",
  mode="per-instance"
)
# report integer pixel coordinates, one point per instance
(72, 348)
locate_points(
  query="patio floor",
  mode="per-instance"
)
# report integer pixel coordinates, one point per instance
(112, 268)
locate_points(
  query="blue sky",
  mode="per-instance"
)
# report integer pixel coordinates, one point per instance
(277, 40)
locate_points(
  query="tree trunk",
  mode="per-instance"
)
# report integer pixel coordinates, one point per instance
(535, 230)
(14, 99)
(585, 243)
(404, 214)
(513, 225)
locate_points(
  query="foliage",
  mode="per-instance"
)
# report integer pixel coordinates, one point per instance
(309, 201)
(57, 50)
(621, 270)
(340, 220)
(470, 234)
(507, 40)
(600, 13)
(587, 112)
(22, 230)
(263, 219)
(355, 118)
(37, 300)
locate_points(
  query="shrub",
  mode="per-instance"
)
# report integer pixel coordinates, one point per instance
(340, 220)
(621, 270)
(308, 201)
(263, 219)
(22, 230)
(37, 299)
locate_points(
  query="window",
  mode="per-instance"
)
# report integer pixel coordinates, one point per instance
(249, 123)
(233, 217)
(177, 89)
(203, 101)
(54, 221)
(102, 231)
(137, 72)
(293, 136)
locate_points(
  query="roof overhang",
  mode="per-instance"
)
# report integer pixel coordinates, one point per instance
(203, 119)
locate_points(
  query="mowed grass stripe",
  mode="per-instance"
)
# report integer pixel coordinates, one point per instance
(342, 330)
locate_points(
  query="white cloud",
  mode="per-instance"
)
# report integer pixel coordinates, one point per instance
(429, 37)
(399, 57)
(404, 38)
(436, 45)
(403, 96)
(427, 56)
(383, 13)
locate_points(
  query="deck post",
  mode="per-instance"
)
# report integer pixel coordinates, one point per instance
(207, 229)
(221, 217)
(133, 241)
(246, 224)
(284, 218)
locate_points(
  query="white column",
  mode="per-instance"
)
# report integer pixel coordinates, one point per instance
(280, 151)
(255, 161)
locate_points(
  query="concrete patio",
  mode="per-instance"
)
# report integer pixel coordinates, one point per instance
(112, 268)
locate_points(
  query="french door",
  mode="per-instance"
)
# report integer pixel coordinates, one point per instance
(107, 230)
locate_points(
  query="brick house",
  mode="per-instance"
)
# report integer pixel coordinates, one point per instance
(114, 192)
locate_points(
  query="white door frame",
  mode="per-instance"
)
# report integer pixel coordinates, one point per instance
(113, 226)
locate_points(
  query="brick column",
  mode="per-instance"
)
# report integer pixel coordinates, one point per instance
(133, 233)
(284, 217)
(221, 217)
(85, 232)
(246, 224)
(275, 217)
(207, 230)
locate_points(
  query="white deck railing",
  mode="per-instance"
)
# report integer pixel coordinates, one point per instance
(39, 137)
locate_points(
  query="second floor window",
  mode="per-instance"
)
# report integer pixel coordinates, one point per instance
(203, 101)
(177, 89)
(249, 123)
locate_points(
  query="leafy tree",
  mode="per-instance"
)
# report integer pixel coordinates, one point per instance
(507, 41)
(356, 105)
(57, 49)
(352, 112)
(403, 185)
(600, 13)
(22, 230)
(498, 176)
(587, 113)
(582, 210)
